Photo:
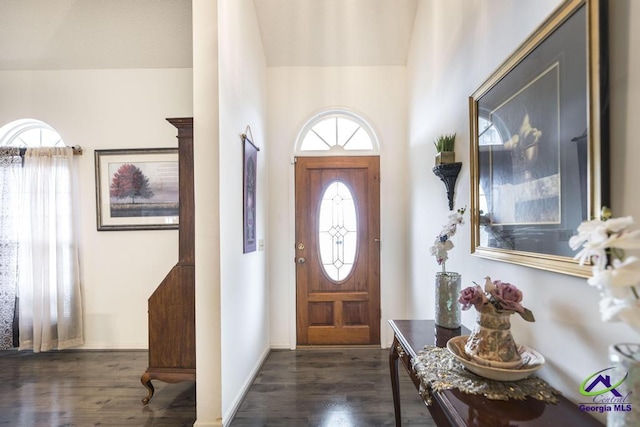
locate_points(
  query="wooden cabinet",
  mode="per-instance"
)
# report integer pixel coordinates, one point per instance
(172, 331)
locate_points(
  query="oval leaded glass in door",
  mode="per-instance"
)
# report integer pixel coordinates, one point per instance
(337, 231)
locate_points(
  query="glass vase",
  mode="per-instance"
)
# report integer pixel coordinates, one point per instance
(447, 294)
(625, 360)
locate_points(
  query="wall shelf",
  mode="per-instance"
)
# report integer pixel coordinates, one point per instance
(448, 173)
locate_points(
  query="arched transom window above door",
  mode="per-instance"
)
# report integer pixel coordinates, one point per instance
(337, 132)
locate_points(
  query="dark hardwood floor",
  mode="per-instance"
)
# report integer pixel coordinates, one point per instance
(319, 387)
(328, 388)
(87, 388)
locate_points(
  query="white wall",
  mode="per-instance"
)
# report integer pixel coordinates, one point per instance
(294, 95)
(108, 109)
(456, 45)
(244, 290)
(207, 179)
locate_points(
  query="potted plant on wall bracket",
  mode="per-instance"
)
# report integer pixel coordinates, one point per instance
(445, 146)
(446, 167)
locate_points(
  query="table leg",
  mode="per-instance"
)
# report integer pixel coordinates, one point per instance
(395, 383)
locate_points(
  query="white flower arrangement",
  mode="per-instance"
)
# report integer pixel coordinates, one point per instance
(604, 241)
(443, 243)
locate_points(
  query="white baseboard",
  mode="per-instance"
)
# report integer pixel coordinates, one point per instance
(231, 412)
(281, 346)
(112, 346)
(216, 423)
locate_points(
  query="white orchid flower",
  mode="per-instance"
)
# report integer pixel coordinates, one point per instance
(456, 218)
(584, 233)
(610, 308)
(598, 231)
(436, 249)
(599, 240)
(616, 225)
(615, 302)
(439, 250)
(620, 274)
(604, 243)
(597, 255)
(623, 240)
(443, 242)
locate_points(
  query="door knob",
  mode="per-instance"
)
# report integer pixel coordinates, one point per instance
(301, 260)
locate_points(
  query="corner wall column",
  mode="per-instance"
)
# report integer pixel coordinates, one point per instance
(207, 212)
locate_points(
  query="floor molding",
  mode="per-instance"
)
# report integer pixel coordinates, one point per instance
(228, 417)
(339, 346)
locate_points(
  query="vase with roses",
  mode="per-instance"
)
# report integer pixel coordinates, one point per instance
(491, 342)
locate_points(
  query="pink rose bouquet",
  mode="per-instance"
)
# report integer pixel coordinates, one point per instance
(498, 296)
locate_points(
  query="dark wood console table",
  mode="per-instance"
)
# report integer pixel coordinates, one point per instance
(454, 408)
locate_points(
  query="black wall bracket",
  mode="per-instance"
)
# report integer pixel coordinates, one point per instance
(448, 173)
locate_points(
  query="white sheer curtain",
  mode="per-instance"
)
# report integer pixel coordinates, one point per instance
(50, 301)
(10, 169)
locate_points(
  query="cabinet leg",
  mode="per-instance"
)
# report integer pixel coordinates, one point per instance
(146, 381)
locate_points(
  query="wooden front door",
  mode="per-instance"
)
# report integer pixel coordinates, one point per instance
(338, 250)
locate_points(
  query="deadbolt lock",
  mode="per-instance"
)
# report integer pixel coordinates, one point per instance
(300, 246)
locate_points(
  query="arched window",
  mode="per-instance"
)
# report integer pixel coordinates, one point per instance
(26, 133)
(38, 246)
(337, 132)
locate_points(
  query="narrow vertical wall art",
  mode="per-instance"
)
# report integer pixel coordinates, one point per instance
(249, 170)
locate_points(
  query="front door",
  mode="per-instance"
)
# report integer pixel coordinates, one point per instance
(338, 250)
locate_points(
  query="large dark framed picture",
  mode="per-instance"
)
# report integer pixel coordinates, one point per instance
(249, 170)
(539, 142)
(137, 189)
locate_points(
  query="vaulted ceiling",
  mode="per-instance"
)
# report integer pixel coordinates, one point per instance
(91, 34)
(88, 34)
(335, 32)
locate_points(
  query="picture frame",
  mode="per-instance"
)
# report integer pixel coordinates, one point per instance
(137, 189)
(249, 193)
(539, 143)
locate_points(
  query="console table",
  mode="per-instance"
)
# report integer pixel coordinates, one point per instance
(454, 408)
